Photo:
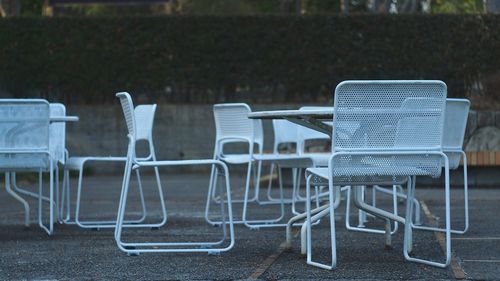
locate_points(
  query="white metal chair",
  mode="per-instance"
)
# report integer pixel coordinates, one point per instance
(233, 126)
(285, 133)
(457, 112)
(144, 116)
(455, 123)
(134, 163)
(398, 129)
(25, 147)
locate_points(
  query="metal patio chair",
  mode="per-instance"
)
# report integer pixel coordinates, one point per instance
(457, 113)
(285, 133)
(144, 116)
(25, 147)
(233, 126)
(134, 163)
(397, 134)
(455, 123)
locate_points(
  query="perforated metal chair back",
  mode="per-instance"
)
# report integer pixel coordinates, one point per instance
(232, 122)
(389, 117)
(58, 133)
(455, 123)
(284, 132)
(128, 112)
(24, 134)
(140, 119)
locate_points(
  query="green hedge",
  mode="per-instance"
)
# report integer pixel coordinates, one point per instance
(252, 59)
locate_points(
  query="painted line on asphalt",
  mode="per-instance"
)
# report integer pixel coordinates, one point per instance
(485, 261)
(458, 271)
(475, 238)
(266, 264)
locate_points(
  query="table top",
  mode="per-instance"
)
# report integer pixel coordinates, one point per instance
(326, 114)
(64, 119)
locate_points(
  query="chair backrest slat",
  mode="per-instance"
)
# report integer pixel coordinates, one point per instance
(231, 120)
(389, 115)
(128, 112)
(455, 123)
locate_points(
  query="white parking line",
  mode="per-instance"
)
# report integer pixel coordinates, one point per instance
(485, 261)
(475, 238)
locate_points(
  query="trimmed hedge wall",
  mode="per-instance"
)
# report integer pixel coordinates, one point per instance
(252, 59)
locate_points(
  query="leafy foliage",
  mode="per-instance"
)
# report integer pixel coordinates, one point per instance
(457, 6)
(209, 59)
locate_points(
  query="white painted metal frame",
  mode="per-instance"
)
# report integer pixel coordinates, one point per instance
(233, 126)
(134, 163)
(385, 151)
(286, 132)
(457, 113)
(25, 146)
(144, 116)
(57, 144)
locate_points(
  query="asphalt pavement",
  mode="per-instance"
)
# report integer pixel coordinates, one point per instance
(72, 253)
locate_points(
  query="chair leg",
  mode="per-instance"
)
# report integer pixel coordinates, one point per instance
(121, 206)
(408, 225)
(255, 224)
(65, 200)
(331, 209)
(161, 197)
(466, 194)
(164, 247)
(270, 183)
(141, 197)
(18, 198)
(19, 190)
(112, 223)
(270, 198)
(364, 229)
(50, 228)
(256, 182)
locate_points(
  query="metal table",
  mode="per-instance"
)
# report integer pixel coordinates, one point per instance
(315, 119)
(312, 119)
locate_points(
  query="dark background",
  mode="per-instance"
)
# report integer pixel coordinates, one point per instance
(208, 59)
